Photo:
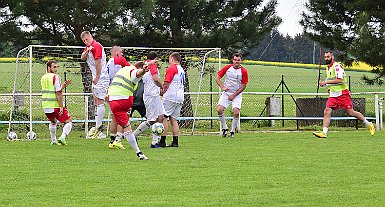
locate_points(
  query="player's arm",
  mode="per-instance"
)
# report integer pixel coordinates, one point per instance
(85, 53)
(157, 80)
(66, 83)
(166, 85)
(240, 90)
(218, 80)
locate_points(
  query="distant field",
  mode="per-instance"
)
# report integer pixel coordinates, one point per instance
(258, 169)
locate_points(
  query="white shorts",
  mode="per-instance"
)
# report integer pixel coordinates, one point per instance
(100, 89)
(172, 108)
(225, 101)
(154, 107)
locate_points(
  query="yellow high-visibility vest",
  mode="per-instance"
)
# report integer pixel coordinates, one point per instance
(48, 97)
(331, 75)
(121, 84)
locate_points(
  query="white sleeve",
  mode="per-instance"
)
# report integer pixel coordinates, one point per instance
(57, 83)
(339, 71)
(133, 76)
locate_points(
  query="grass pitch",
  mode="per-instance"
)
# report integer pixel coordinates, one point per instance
(258, 169)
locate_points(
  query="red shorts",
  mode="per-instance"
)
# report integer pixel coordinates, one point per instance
(342, 101)
(55, 115)
(120, 108)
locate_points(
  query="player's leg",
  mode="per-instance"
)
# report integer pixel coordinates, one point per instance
(175, 132)
(234, 123)
(223, 103)
(162, 141)
(52, 130)
(326, 123)
(100, 93)
(359, 116)
(65, 118)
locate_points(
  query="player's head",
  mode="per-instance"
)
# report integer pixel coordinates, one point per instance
(52, 66)
(139, 64)
(152, 55)
(116, 51)
(329, 57)
(87, 38)
(237, 59)
(175, 58)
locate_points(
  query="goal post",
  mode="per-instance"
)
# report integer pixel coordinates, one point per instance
(26, 114)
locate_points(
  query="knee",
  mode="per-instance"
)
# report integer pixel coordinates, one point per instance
(220, 110)
(327, 111)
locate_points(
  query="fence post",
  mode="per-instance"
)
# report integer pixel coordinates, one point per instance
(283, 102)
(376, 111)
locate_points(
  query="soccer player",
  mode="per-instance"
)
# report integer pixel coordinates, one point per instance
(236, 81)
(96, 60)
(114, 64)
(173, 97)
(339, 95)
(120, 96)
(52, 103)
(152, 101)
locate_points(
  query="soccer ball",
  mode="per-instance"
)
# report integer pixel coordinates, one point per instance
(31, 135)
(91, 133)
(12, 136)
(157, 128)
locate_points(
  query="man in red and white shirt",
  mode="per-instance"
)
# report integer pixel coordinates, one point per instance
(235, 83)
(173, 97)
(96, 60)
(58, 113)
(153, 103)
(114, 64)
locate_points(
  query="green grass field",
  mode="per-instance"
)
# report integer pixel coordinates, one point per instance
(254, 169)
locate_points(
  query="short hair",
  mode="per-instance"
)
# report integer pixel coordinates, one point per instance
(328, 51)
(49, 63)
(139, 64)
(152, 55)
(114, 49)
(237, 55)
(176, 56)
(84, 33)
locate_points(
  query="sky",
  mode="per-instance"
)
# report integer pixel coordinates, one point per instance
(290, 12)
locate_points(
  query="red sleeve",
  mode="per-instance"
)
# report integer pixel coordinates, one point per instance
(97, 50)
(170, 73)
(223, 71)
(153, 68)
(121, 61)
(245, 76)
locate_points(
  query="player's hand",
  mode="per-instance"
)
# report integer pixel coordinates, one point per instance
(161, 91)
(322, 83)
(95, 80)
(224, 88)
(89, 48)
(231, 97)
(66, 83)
(60, 111)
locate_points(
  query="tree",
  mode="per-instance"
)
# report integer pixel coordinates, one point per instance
(357, 28)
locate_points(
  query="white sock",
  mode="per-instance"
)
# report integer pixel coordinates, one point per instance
(100, 110)
(366, 122)
(234, 124)
(325, 130)
(52, 131)
(132, 141)
(66, 130)
(155, 139)
(119, 136)
(222, 121)
(141, 128)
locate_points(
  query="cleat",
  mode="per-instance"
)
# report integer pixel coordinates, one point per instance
(54, 143)
(97, 132)
(231, 135)
(154, 145)
(173, 145)
(224, 132)
(320, 134)
(118, 145)
(141, 156)
(372, 129)
(162, 144)
(62, 141)
(111, 146)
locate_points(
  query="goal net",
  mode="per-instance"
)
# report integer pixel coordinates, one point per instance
(26, 114)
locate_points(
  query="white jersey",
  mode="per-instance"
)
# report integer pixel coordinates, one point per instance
(97, 52)
(234, 77)
(150, 88)
(175, 75)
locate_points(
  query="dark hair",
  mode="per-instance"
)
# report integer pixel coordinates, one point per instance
(328, 51)
(176, 56)
(152, 55)
(237, 55)
(49, 63)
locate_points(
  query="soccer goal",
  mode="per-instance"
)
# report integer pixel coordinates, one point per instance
(26, 114)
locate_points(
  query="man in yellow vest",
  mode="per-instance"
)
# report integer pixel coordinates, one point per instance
(52, 102)
(339, 95)
(120, 97)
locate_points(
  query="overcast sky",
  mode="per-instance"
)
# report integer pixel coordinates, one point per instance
(290, 12)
